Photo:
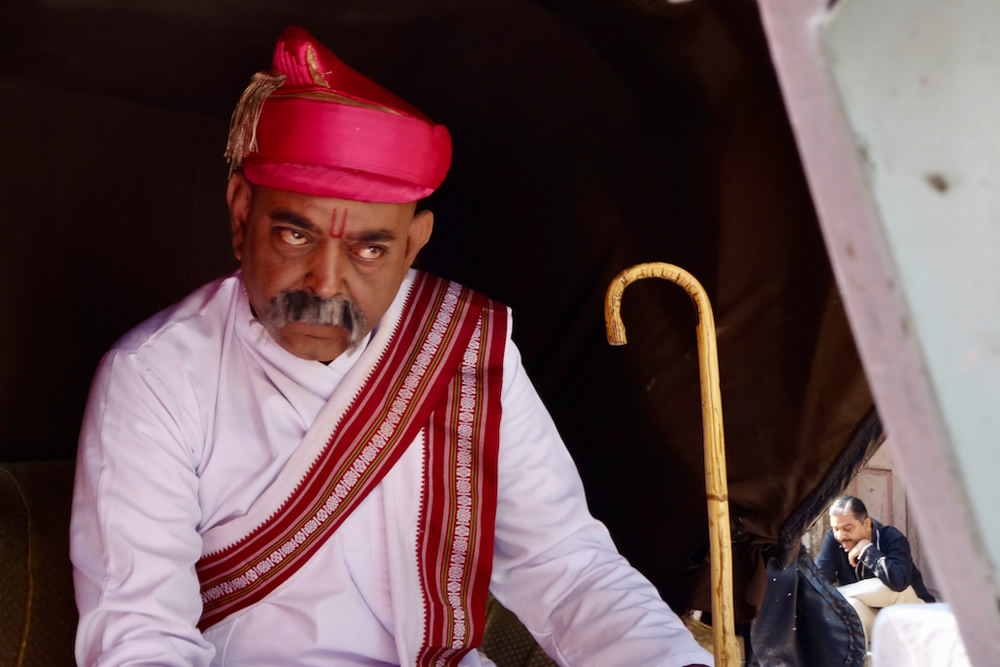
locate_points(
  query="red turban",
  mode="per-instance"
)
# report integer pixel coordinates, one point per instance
(314, 125)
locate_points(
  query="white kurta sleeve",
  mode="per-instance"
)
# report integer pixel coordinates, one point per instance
(133, 535)
(556, 567)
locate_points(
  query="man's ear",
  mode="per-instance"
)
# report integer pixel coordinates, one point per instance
(420, 232)
(238, 196)
(867, 523)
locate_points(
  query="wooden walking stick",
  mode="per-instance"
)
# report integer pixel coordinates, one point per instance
(727, 653)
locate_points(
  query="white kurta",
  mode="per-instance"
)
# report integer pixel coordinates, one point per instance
(194, 413)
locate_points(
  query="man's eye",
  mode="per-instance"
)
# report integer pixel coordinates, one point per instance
(292, 237)
(369, 252)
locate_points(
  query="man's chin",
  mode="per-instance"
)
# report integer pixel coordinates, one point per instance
(314, 343)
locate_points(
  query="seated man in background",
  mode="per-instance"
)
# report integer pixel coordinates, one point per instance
(870, 563)
(327, 457)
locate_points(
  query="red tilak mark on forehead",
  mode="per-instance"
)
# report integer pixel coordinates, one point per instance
(337, 230)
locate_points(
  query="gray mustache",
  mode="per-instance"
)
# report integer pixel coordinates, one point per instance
(298, 306)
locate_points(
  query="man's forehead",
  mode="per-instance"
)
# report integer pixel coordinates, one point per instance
(842, 520)
(330, 212)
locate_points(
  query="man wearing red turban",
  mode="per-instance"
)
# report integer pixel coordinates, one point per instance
(329, 457)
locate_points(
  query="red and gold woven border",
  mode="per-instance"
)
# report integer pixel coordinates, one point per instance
(455, 546)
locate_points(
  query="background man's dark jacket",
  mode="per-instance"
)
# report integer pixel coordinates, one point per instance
(888, 558)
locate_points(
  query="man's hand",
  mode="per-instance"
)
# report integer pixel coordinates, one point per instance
(855, 553)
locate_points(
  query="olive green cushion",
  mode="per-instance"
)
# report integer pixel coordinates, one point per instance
(37, 610)
(508, 643)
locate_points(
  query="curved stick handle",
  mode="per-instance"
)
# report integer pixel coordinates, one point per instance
(727, 653)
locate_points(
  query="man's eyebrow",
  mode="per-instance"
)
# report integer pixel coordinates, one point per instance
(373, 236)
(294, 219)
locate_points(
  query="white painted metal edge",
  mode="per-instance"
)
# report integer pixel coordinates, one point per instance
(882, 325)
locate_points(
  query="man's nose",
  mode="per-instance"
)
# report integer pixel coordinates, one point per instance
(325, 274)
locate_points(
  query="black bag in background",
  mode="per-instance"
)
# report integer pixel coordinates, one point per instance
(804, 621)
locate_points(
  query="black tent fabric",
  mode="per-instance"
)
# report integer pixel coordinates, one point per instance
(588, 136)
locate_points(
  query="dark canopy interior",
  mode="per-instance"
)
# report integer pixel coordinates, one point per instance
(589, 136)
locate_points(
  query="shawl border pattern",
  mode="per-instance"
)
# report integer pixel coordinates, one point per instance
(427, 358)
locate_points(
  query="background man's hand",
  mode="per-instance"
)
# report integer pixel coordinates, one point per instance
(855, 553)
